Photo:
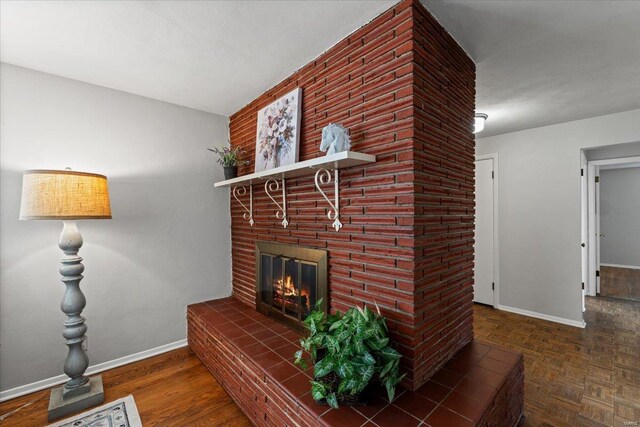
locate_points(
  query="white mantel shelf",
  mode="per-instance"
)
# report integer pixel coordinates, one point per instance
(344, 159)
(275, 181)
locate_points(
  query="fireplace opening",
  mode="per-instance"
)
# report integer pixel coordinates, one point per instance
(289, 281)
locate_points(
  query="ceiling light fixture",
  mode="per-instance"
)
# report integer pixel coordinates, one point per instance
(480, 118)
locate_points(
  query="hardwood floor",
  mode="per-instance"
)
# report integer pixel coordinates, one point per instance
(623, 283)
(573, 377)
(173, 389)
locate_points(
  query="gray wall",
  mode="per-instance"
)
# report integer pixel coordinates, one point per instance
(614, 151)
(539, 209)
(168, 242)
(620, 216)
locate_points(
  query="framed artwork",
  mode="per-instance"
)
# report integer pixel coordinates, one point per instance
(278, 133)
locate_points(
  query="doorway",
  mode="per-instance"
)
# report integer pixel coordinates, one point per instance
(611, 227)
(485, 284)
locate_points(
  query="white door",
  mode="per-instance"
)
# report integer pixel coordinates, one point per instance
(598, 232)
(483, 270)
(585, 226)
(594, 228)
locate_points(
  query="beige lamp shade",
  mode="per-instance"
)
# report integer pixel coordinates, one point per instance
(64, 194)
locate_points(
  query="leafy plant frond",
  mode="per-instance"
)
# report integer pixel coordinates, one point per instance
(230, 156)
(377, 308)
(332, 400)
(299, 360)
(349, 350)
(323, 367)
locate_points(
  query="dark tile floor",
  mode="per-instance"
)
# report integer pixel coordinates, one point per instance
(457, 395)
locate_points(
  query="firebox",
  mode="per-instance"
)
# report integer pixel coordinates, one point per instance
(289, 281)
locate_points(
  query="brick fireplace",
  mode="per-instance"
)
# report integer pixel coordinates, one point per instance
(405, 90)
(290, 280)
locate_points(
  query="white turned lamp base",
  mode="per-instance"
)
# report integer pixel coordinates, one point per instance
(60, 407)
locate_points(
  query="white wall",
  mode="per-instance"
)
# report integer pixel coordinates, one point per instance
(631, 149)
(167, 245)
(539, 211)
(620, 216)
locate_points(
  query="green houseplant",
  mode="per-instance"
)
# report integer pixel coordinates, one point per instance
(349, 350)
(230, 157)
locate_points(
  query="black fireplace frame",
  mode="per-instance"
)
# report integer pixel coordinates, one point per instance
(298, 253)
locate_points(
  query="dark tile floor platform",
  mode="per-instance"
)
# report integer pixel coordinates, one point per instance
(252, 355)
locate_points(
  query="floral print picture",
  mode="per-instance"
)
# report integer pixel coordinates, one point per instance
(278, 135)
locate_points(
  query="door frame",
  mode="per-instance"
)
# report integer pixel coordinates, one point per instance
(593, 224)
(496, 252)
(592, 229)
(584, 226)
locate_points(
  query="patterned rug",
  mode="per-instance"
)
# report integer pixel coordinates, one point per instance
(119, 413)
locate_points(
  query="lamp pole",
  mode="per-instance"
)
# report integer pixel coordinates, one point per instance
(73, 303)
(80, 392)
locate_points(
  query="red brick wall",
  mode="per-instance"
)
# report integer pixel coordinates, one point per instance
(444, 96)
(372, 83)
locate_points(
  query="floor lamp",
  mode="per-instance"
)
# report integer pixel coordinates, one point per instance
(68, 196)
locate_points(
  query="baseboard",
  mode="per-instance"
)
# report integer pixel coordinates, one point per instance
(576, 323)
(632, 267)
(100, 367)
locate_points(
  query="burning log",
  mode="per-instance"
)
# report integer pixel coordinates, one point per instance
(285, 293)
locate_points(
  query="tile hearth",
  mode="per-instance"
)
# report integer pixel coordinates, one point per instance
(251, 355)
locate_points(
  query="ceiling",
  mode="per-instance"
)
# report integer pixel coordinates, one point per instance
(545, 62)
(209, 55)
(538, 62)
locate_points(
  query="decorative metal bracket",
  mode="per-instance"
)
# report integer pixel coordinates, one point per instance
(241, 190)
(273, 185)
(323, 176)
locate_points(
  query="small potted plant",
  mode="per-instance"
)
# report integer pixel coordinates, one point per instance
(349, 351)
(230, 158)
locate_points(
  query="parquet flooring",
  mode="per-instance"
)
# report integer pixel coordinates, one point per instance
(621, 283)
(173, 389)
(574, 377)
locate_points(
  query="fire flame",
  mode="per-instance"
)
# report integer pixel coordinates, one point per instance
(287, 288)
